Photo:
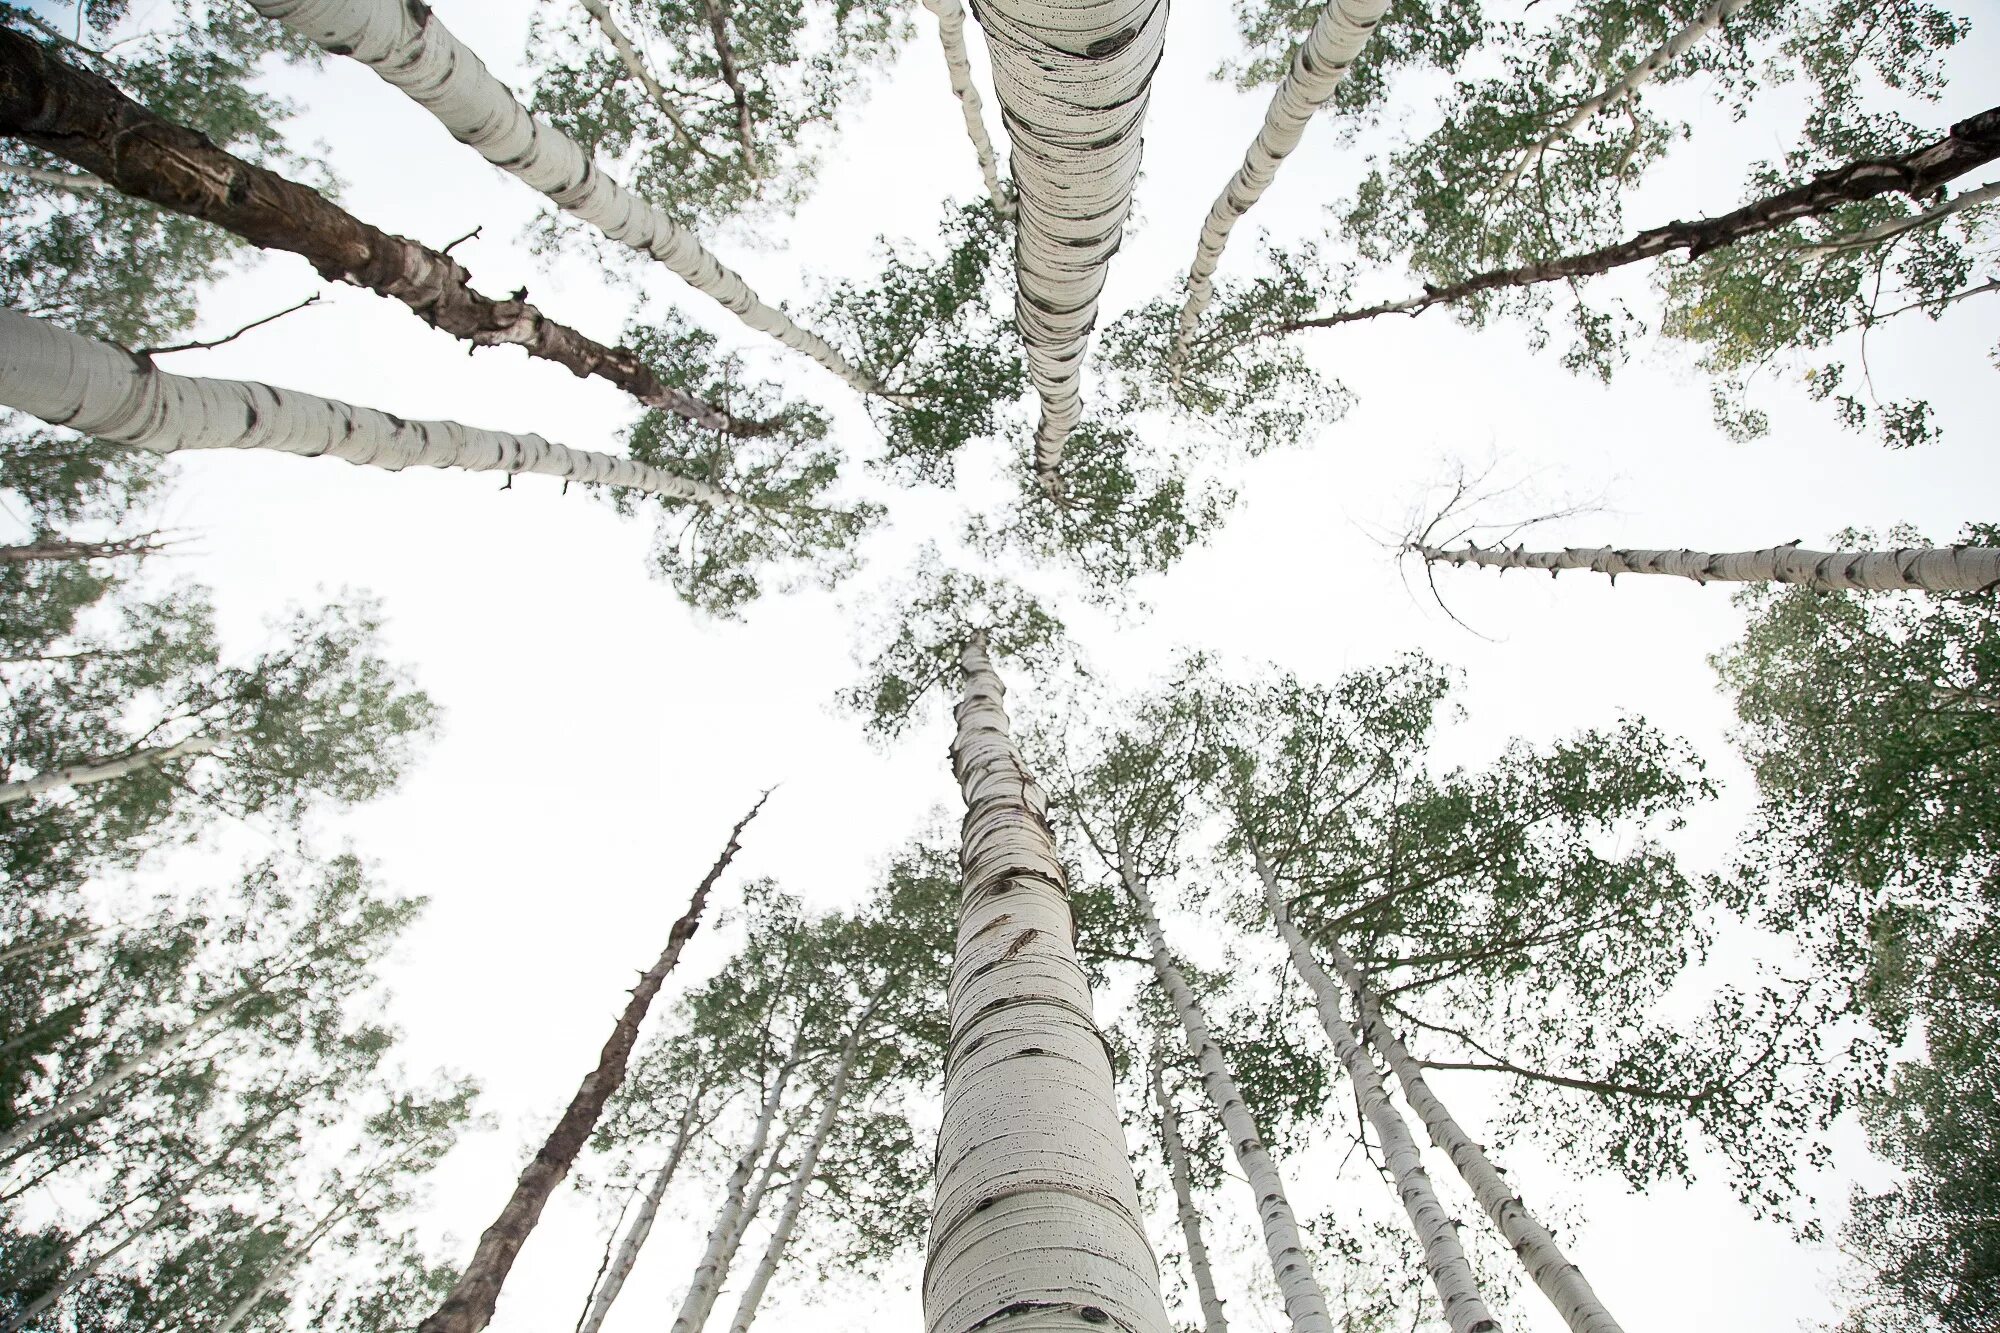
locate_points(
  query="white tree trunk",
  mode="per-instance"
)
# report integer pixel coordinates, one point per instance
(1444, 1256)
(102, 390)
(411, 49)
(635, 64)
(1560, 1280)
(1212, 1318)
(1073, 81)
(1319, 65)
(642, 1226)
(1934, 569)
(1035, 1221)
(81, 775)
(1627, 84)
(1887, 231)
(27, 947)
(1305, 1302)
(279, 1271)
(76, 182)
(951, 34)
(727, 1232)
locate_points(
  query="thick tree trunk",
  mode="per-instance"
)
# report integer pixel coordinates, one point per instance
(1073, 81)
(951, 34)
(1969, 145)
(1305, 1302)
(1934, 569)
(1444, 1256)
(1035, 1223)
(1560, 1280)
(1212, 1318)
(727, 1232)
(83, 118)
(642, 1226)
(82, 775)
(411, 49)
(1319, 65)
(106, 391)
(469, 1305)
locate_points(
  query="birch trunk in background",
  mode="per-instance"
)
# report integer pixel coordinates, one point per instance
(283, 1268)
(83, 118)
(635, 64)
(1444, 1256)
(468, 1307)
(1318, 67)
(951, 34)
(1560, 1280)
(1933, 569)
(1305, 1302)
(412, 50)
(1035, 1223)
(1073, 82)
(106, 391)
(642, 1226)
(82, 775)
(1212, 1318)
(714, 1261)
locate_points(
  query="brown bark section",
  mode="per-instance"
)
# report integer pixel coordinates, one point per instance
(84, 119)
(61, 548)
(1968, 145)
(469, 1306)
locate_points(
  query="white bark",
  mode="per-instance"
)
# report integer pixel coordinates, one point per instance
(951, 34)
(1072, 79)
(1035, 1223)
(1444, 1257)
(1888, 231)
(635, 64)
(411, 49)
(1560, 1280)
(1319, 65)
(1212, 1318)
(76, 182)
(1305, 1302)
(283, 1268)
(102, 390)
(1934, 569)
(1625, 86)
(642, 1226)
(27, 947)
(82, 775)
(727, 1232)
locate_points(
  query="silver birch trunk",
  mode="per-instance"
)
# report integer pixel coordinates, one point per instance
(1319, 65)
(1212, 1318)
(1444, 1256)
(1035, 1223)
(1305, 1302)
(411, 49)
(75, 182)
(102, 390)
(287, 1264)
(642, 1226)
(28, 947)
(1073, 81)
(1888, 231)
(635, 64)
(727, 1232)
(1533, 1244)
(82, 775)
(1933, 569)
(951, 34)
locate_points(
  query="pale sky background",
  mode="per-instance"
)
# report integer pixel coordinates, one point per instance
(600, 739)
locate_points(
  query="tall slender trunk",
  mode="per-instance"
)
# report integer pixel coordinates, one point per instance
(102, 390)
(1623, 87)
(642, 1226)
(286, 1264)
(802, 1175)
(727, 1232)
(62, 548)
(1212, 1318)
(1560, 1280)
(1934, 569)
(83, 118)
(1305, 1302)
(958, 64)
(61, 180)
(27, 947)
(1444, 1256)
(635, 65)
(1073, 81)
(412, 50)
(725, 59)
(82, 775)
(1319, 65)
(468, 1307)
(1036, 1213)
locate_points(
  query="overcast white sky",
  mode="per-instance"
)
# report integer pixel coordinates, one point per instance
(600, 740)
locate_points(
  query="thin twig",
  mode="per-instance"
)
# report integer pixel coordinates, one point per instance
(150, 352)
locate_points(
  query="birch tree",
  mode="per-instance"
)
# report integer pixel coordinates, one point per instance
(1961, 569)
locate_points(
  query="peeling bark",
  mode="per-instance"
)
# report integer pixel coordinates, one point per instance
(1933, 569)
(642, 1226)
(82, 775)
(1212, 1318)
(468, 1307)
(1035, 1223)
(951, 35)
